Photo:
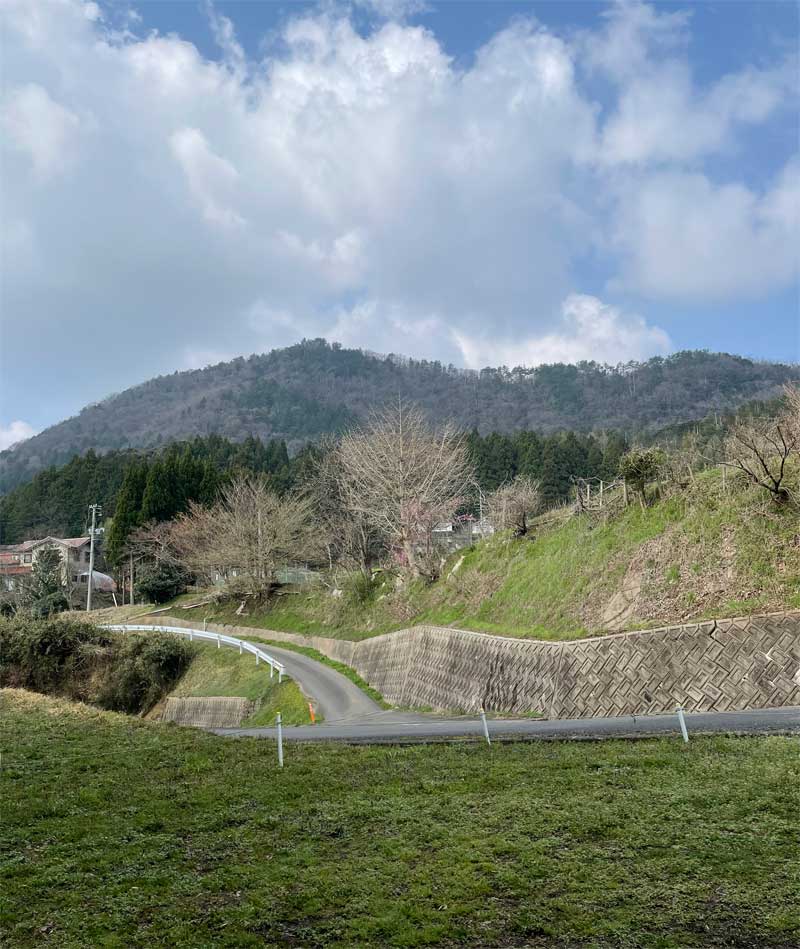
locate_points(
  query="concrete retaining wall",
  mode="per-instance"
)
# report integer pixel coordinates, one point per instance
(211, 712)
(720, 665)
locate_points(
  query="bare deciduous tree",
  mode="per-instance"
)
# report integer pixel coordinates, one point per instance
(792, 416)
(512, 505)
(248, 534)
(153, 542)
(404, 478)
(350, 540)
(760, 448)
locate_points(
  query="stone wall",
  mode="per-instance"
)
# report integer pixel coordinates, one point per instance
(714, 666)
(210, 712)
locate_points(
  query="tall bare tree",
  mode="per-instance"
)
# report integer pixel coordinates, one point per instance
(249, 533)
(512, 505)
(349, 538)
(403, 478)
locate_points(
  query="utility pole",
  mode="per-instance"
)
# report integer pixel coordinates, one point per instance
(131, 577)
(95, 510)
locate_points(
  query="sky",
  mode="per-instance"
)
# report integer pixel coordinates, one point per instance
(484, 183)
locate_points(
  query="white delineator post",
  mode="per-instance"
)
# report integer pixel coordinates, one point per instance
(280, 739)
(682, 722)
(485, 727)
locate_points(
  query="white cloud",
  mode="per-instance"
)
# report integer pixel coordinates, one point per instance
(364, 185)
(685, 238)
(15, 432)
(37, 125)
(587, 330)
(212, 179)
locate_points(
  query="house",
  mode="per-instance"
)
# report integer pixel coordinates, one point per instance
(17, 560)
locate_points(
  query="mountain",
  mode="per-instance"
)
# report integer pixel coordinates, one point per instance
(315, 387)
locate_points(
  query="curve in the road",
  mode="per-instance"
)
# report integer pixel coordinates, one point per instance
(352, 716)
(336, 696)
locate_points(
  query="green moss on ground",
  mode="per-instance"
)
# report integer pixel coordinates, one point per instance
(119, 832)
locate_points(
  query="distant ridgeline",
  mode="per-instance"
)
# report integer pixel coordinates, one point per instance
(314, 388)
(137, 486)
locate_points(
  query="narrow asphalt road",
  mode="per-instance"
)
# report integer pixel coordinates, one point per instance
(351, 716)
(399, 727)
(336, 697)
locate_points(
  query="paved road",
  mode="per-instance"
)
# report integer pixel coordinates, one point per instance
(351, 716)
(399, 727)
(333, 694)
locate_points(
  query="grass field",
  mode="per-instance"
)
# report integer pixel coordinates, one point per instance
(224, 672)
(716, 549)
(122, 833)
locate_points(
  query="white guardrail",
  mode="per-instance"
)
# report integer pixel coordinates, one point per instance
(219, 638)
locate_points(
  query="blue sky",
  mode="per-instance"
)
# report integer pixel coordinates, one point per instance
(482, 183)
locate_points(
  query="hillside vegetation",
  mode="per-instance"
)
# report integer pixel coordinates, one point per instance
(718, 548)
(313, 388)
(223, 672)
(130, 833)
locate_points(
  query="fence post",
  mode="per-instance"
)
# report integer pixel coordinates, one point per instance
(682, 722)
(191, 635)
(280, 676)
(205, 621)
(485, 727)
(240, 647)
(280, 739)
(219, 642)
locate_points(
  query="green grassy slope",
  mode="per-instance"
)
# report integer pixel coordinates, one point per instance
(712, 550)
(123, 833)
(224, 672)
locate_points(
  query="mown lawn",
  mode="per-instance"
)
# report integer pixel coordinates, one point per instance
(118, 832)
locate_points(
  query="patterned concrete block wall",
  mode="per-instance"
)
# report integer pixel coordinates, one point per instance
(714, 666)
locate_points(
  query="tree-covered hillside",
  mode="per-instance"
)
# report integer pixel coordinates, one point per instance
(148, 485)
(137, 486)
(299, 393)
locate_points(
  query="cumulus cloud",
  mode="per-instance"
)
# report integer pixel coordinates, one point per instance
(39, 127)
(358, 183)
(14, 433)
(685, 238)
(587, 330)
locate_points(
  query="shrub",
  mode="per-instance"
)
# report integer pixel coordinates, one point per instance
(160, 582)
(48, 655)
(143, 670)
(83, 662)
(362, 587)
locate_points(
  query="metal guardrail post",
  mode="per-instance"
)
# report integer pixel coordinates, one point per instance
(280, 739)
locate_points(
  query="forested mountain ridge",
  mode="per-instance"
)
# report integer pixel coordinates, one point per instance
(301, 392)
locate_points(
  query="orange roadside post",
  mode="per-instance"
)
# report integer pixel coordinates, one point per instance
(311, 713)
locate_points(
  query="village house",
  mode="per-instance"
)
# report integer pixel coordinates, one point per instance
(17, 560)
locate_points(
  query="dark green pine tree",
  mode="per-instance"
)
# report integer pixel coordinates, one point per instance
(554, 478)
(128, 510)
(615, 448)
(529, 454)
(594, 459)
(159, 499)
